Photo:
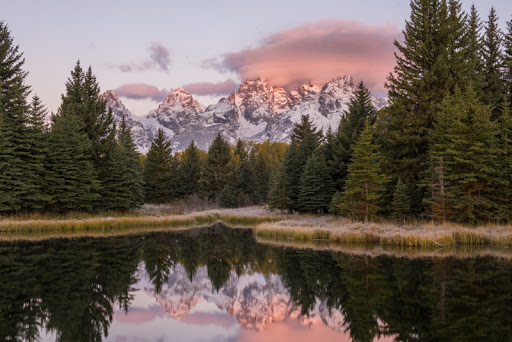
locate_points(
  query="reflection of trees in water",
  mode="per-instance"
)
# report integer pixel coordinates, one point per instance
(69, 286)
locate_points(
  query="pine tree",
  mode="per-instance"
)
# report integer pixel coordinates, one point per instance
(38, 150)
(218, 169)
(262, 174)
(492, 82)
(278, 194)
(20, 169)
(159, 180)
(124, 184)
(507, 60)
(71, 178)
(305, 140)
(190, 170)
(244, 174)
(359, 110)
(401, 204)
(82, 99)
(316, 188)
(504, 182)
(336, 202)
(464, 152)
(365, 181)
(227, 198)
(423, 76)
(474, 50)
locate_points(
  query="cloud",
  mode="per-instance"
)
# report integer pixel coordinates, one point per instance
(208, 88)
(317, 52)
(140, 91)
(159, 57)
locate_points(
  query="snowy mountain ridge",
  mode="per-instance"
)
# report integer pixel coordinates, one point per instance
(257, 111)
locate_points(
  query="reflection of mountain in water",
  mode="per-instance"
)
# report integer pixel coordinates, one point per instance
(256, 300)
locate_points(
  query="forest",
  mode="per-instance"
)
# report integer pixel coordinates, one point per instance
(441, 149)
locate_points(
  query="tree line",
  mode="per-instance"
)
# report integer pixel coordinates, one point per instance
(441, 149)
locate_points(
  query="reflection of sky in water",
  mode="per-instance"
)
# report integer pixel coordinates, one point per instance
(204, 320)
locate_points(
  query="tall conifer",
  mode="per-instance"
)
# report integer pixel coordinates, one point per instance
(218, 170)
(159, 180)
(365, 181)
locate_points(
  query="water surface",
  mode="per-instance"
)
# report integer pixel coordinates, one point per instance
(219, 284)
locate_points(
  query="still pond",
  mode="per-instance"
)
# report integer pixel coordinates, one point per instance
(219, 284)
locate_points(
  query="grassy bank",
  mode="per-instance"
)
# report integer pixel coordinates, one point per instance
(30, 227)
(418, 235)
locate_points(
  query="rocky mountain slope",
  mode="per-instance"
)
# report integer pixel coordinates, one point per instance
(254, 299)
(256, 111)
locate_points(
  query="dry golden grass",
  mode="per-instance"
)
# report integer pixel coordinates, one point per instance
(419, 235)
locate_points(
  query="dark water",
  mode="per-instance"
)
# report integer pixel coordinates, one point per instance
(218, 284)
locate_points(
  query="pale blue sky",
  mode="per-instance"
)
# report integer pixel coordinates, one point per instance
(107, 34)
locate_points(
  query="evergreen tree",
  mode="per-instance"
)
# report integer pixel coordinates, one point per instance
(504, 183)
(21, 134)
(474, 50)
(278, 198)
(365, 181)
(38, 150)
(71, 178)
(82, 99)
(507, 60)
(423, 76)
(401, 204)
(351, 124)
(158, 171)
(316, 189)
(124, 185)
(492, 81)
(464, 145)
(190, 170)
(244, 174)
(335, 207)
(227, 198)
(218, 169)
(305, 140)
(262, 174)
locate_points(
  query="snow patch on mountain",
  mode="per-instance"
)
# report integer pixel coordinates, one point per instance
(256, 111)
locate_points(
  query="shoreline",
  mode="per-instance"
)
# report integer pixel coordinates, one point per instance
(267, 225)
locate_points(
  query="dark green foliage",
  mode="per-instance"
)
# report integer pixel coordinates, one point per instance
(365, 181)
(262, 176)
(334, 208)
(360, 109)
(464, 154)
(316, 188)
(227, 197)
(71, 178)
(492, 82)
(244, 175)
(190, 170)
(218, 169)
(18, 183)
(507, 60)
(504, 180)
(123, 185)
(427, 69)
(159, 171)
(278, 198)
(474, 50)
(305, 140)
(401, 204)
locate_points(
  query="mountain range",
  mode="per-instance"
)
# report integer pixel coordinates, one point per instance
(256, 112)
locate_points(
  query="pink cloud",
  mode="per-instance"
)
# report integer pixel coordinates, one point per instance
(319, 52)
(208, 88)
(140, 91)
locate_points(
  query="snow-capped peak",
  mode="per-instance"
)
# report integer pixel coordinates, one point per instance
(183, 98)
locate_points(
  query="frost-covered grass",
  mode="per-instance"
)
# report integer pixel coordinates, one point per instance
(419, 235)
